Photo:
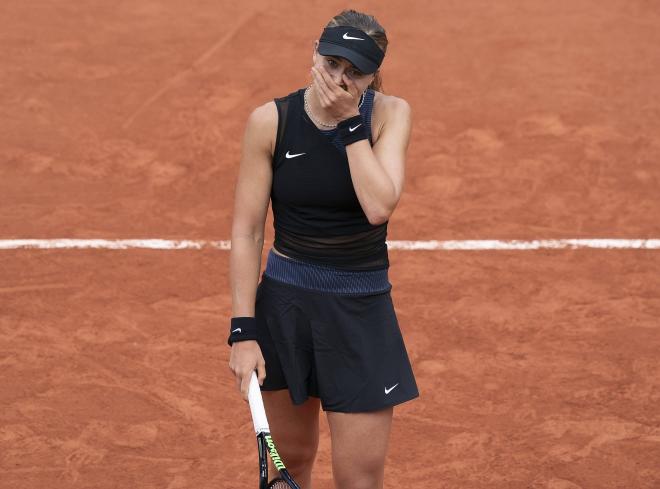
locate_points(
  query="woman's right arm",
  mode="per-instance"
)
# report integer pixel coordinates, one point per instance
(251, 199)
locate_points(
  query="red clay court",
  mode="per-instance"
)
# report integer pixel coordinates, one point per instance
(537, 369)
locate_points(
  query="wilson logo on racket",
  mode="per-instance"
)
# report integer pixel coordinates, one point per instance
(265, 443)
(275, 457)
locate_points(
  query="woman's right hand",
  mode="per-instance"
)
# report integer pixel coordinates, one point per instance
(244, 359)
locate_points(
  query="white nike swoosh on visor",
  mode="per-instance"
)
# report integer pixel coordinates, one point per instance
(237, 330)
(387, 391)
(293, 156)
(346, 36)
(351, 129)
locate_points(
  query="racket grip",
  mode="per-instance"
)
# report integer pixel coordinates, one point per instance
(257, 406)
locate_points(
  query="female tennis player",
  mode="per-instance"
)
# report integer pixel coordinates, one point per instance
(320, 328)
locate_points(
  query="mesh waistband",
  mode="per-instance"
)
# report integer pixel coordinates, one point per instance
(326, 279)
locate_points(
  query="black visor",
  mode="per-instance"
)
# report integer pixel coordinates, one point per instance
(354, 45)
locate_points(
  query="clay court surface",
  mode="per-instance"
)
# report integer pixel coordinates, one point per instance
(532, 120)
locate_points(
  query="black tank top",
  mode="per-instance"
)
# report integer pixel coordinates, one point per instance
(316, 213)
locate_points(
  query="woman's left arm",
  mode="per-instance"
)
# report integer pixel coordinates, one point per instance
(378, 172)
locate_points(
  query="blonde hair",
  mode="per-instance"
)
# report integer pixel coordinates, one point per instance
(368, 24)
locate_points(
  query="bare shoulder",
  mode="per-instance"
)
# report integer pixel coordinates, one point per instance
(388, 107)
(389, 104)
(264, 114)
(262, 125)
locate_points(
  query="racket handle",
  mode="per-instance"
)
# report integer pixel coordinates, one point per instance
(257, 406)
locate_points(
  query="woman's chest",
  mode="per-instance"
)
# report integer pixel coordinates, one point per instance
(313, 173)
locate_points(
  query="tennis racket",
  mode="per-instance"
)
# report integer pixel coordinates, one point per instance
(265, 443)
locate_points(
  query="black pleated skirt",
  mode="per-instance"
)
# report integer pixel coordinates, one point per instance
(332, 334)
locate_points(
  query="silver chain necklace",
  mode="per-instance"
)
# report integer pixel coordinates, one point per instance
(314, 119)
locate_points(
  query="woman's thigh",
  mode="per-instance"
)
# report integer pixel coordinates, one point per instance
(295, 430)
(359, 447)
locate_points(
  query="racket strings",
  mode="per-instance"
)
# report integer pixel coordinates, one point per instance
(278, 484)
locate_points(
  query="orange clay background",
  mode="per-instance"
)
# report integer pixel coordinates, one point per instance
(532, 119)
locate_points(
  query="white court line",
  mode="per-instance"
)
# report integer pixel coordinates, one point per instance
(537, 244)
(470, 244)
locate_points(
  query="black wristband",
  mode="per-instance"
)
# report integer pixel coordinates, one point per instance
(242, 329)
(352, 129)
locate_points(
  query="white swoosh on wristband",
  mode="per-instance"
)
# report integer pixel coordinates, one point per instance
(351, 129)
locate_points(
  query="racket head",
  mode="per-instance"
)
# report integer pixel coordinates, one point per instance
(279, 483)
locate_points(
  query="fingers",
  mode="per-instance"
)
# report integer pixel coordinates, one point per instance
(340, 103)
(245, 358)
(261, 370)
(332, 91)
(245, 385)
(350, 85)
(322, 89)
(332, 87)
(239, 378)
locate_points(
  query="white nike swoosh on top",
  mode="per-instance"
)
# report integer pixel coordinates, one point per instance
(387, 391)
(237, 330)
(293, 156)
(346, 36)
(351, 129)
